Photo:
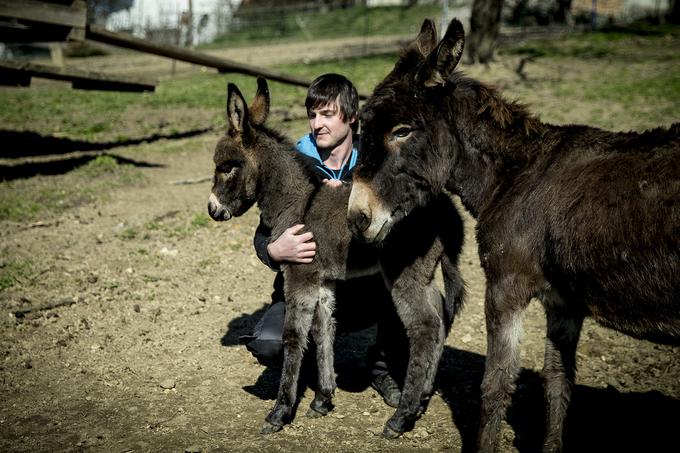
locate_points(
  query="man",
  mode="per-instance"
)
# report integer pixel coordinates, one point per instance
(331, 149)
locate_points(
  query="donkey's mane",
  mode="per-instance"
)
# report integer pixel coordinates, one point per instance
(505, 114)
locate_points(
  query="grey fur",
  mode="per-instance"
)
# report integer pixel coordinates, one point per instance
(256, 164)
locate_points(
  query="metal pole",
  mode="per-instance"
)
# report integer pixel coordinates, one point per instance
(445, 17)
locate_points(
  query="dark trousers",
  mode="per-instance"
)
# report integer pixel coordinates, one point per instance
(360, 303)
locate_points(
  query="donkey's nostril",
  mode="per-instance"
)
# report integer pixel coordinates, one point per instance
(212, 210)
(361, 221)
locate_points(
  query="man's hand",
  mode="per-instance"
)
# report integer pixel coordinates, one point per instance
(333, 182)
(292, 247)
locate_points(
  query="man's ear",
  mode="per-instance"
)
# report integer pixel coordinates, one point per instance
(444, 58)
(237, 112)
(259, 109)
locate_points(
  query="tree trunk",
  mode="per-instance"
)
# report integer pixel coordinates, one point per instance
(673, 15)
(484, 27)
(563, 11)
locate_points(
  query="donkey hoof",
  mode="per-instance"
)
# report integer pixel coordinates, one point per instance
(311, 413)
(389, 433)
(270, 428)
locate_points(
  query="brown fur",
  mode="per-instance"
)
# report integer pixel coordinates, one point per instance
(587, 220)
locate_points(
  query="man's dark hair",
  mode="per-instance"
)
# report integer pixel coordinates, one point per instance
(326, 88)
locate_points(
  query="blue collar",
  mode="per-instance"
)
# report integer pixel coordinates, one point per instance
(307, 146)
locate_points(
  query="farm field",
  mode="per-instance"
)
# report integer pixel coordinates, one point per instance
(141, 351)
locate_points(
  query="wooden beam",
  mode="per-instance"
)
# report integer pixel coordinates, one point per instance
(34, 21)
(73, 15)
(180, 53)
(16, 73)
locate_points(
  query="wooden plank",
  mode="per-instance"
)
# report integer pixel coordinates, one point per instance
(180, 53)
(73, 15)
(86, 80)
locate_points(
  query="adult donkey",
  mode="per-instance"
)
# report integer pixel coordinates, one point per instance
(254, 163)
(586, 220)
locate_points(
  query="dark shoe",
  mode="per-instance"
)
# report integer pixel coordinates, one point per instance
(268, 352)
(387, 388)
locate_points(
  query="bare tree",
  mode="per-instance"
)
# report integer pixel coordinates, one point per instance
(562, 13)
(673, 15)
(485, 24)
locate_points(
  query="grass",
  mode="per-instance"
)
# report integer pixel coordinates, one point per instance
(621, 43)
(342, 22)
(15, 271)
(619, 80)
(175, 228)
(25, 200)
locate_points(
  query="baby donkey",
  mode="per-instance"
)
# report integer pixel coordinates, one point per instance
(254, 163)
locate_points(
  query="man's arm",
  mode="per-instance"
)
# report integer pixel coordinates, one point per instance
(260, 242)
(289, 247)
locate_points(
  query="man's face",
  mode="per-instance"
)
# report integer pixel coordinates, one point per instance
(328, 126)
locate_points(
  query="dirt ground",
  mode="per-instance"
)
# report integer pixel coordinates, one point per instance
(142, 353)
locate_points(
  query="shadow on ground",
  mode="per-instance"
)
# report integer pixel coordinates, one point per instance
(598, 419)
(25, 144)
(60, 166)
(18, 144)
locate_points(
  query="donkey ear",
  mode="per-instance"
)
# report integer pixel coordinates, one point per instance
(237, 112)
(442, 60)
(426, 39)
(259, 109)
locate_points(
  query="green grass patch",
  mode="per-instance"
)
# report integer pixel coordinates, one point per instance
(200, 220)
(13, 272)
(24, 200)
(128, 234)
(99, 165)
(15, 205)
(623, 43)
(21, 202)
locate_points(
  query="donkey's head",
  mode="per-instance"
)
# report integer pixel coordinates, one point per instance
(237, 167)
(403, 158)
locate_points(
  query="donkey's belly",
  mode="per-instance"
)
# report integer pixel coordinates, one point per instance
(362, 260)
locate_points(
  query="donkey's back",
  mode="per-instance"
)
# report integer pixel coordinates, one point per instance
(603, 212)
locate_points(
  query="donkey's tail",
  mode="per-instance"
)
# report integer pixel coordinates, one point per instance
(454, 289)
(451, 234)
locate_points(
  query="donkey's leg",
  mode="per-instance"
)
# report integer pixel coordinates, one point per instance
(323, 333)
(416, 306)
(559, 368)
(299, 312)
(506, 299)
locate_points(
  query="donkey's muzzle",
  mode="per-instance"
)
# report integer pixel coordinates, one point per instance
(217, 210)
(358, 221)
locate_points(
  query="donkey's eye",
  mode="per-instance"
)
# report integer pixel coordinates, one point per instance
(227, 167)
(401, 131)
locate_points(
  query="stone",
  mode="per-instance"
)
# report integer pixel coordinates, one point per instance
(167, 384)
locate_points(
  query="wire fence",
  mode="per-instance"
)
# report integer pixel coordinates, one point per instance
(239, 22)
